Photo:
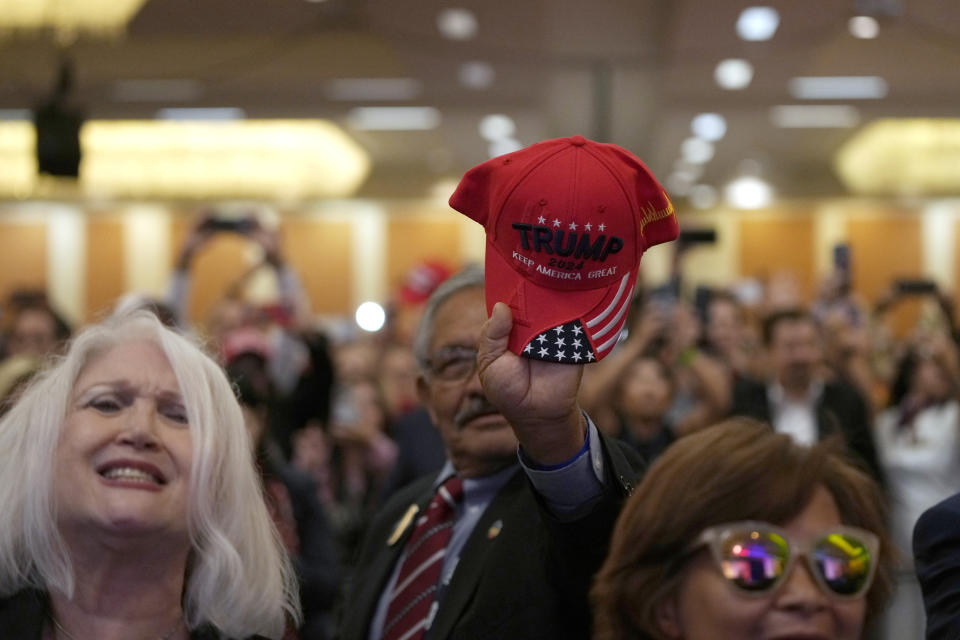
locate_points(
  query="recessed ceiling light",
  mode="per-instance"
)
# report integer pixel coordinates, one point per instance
(709, 126)
(497, 126)
(758, 23)
(696, 150)
(679, 184)
(689, 170)
(394, 118)
(814, 116)
(865, 27)
(477, 75)
(733, 74)
(838, 87)
(502, 146)
(748, 192)
(703, 196)
(457, 23)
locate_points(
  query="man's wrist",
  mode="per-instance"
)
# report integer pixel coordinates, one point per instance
(553, 442)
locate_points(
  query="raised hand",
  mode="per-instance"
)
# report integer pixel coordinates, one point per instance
(538, 398)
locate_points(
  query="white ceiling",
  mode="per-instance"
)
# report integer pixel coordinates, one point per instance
(634, 72)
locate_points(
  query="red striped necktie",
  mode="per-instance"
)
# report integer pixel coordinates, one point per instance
(412, 607)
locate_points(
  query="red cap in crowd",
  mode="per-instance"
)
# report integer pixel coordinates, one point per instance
(567, 221)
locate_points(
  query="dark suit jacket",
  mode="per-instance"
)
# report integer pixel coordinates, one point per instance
(841, 409)
(936, 551)
(529, 581)
(24, 614)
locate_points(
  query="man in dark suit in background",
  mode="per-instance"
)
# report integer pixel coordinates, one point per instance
(936, 552)
(797, 400)
(532, 527)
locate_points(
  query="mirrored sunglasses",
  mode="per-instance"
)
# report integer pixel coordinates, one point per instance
(755, 557)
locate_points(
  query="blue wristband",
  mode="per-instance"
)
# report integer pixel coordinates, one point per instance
(565, 463)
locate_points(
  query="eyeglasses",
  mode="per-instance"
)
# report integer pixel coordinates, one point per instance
(756, 557)
(453, 364)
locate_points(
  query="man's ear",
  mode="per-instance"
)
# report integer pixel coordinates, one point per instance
(667, 617)
(423, 394)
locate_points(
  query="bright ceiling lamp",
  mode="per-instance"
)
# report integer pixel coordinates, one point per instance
(748, 192)
(68, 16)
(287, 159)
(758, 23)
(18, 164)
(733, 74)
(910, 156)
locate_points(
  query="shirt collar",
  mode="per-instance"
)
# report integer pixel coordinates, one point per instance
(778, 396)
(477, 488)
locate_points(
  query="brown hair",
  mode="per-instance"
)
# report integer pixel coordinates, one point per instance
(737, 470)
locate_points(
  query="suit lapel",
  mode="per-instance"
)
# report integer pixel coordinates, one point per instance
(376, 576)
(473, 556)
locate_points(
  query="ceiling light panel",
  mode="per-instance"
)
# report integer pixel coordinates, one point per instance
(903, 156)
(102, 16)
(810, 116)
(207, 114)
(838, 87)
(18, 164)
(244, 158)
(394, 118)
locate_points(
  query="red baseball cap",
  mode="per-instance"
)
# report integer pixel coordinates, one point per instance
(567, 221)
(421, 280)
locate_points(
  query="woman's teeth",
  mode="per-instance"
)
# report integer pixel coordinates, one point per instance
(129, 473)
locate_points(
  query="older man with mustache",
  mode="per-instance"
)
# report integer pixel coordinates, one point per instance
(504, 541)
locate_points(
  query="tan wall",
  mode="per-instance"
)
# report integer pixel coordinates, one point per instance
(320, 250)
(104, 277)
(349, 251)
(23, 255)
(774, 246)
(413, 239)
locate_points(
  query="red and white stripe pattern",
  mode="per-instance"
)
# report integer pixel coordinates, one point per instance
(604, 328)
(568, 344)
(412, 602)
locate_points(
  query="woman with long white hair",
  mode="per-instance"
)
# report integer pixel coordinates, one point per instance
(131, 505)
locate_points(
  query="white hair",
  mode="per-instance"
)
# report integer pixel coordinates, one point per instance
(240, 578)
(469, 277)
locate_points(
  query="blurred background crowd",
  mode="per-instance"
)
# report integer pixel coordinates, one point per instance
(274, 182)
(339, 426)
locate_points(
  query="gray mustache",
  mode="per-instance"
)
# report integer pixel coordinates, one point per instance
(474, 407)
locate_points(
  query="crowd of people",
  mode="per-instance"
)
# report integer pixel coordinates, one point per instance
(771, 458)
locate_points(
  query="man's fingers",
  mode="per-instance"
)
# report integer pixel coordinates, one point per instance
(495, 335)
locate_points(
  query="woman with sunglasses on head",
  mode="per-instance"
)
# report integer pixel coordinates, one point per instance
(736, 533)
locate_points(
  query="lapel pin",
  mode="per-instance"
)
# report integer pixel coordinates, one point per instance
(494, 529)
(402, 525)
